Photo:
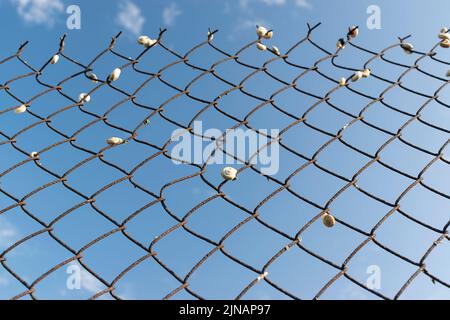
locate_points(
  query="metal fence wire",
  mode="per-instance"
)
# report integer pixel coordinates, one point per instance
(181, 220)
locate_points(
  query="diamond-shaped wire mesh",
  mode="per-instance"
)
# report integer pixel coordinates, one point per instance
(105, 175)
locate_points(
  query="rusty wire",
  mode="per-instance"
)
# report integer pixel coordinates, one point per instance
(159, 199)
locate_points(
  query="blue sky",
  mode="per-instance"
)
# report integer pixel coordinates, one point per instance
(44, 22)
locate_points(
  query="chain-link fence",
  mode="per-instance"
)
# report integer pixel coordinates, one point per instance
(130, 134)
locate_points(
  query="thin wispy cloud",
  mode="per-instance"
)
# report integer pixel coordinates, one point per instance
(249, 16)
(251, 23)
(349, 292)
(90, 283)
(274, 2)
(130, 17)
(226, 8)
(8, 234)
(303, 3)
(242, 25)
(39, 11)
(3, 281)
(170, 14)
(245, 4)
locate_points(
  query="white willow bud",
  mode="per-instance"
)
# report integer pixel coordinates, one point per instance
(210, 36)
(20, 109)
(366, 73)
(34, 154)
(84, 97)
(261, 31)
(445, 43)
(340, 43)
(328, 220)
(444, 30)
(261, 46)
(146, 41)
(408, 47)
(115, 74)
(353, 31)
(358, 75)
(55, 59)
(276, 50)
(93, 77)
(229, 173)
(142, 40)
(268, 35)
(113, 141)
(342, 81)
(444, 36)
(150, 43)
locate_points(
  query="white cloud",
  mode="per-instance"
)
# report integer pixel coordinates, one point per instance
(349, 292)
(3, 281)
(303, 3)
(171, 13)
(8, 233)
(90, 283)
(251, 23)
(244, 4)
(130, 17)
(249, 18)
(87, 281)
(39, 11)
(226, 8)
(244, 25)
(274, 2)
